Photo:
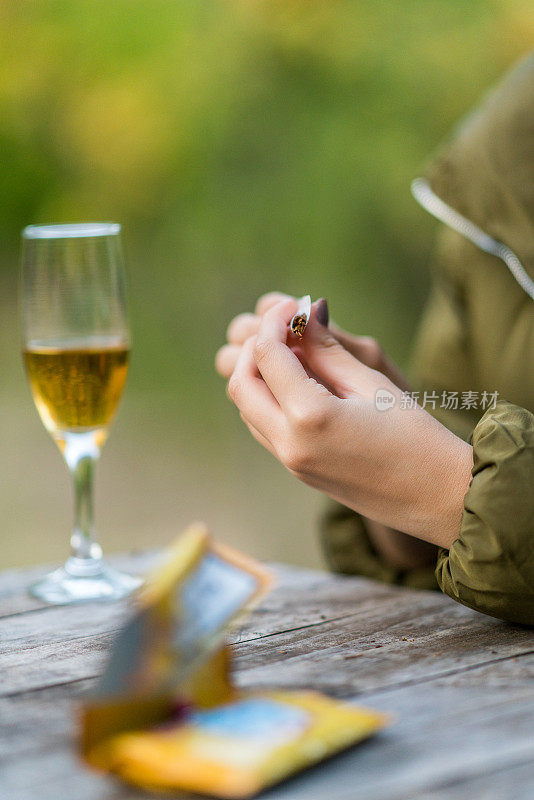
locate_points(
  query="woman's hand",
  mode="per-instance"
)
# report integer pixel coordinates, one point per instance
(399, 467)
(364, 348)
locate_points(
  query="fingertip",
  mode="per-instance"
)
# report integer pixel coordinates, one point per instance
(267, 301)
(275, 321)
(219, 356)
(225, 360)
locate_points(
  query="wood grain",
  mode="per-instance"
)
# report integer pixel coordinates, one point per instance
(459, 685)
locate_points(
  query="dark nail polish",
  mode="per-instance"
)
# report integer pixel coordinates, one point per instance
(321, 311)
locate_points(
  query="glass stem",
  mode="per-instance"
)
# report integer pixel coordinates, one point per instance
(81, 453)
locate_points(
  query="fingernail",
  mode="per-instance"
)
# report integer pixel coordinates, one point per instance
(321, 311)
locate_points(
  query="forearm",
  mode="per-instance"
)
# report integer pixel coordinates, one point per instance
(438, 489)
(400, 550)
(420, 493)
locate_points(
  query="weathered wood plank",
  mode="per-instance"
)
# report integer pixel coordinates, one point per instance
(392, 644)
(322, 598)
(461, 688)
(413, 756)
(447, 736)
(51, 665)
(35, 647)
(53, 643)
(59, 625)
(509, 783)
(392, 636)
(28, 720)
(14, 583)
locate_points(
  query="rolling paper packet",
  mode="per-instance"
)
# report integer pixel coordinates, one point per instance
(165, 715)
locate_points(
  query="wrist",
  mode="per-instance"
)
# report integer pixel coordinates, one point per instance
(445, 479)
(450, 514)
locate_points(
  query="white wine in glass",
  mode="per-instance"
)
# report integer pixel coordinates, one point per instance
(76, 348)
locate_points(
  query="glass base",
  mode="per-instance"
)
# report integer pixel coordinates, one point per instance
(84, 580)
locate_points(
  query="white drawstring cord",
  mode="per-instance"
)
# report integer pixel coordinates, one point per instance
(435, 206)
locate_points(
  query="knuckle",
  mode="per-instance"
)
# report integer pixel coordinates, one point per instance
(372, 351)
(309, 420)
(330, 343)
(262, 350)
(294, 457)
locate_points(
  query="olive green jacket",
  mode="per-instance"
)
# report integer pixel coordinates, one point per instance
(477, 335)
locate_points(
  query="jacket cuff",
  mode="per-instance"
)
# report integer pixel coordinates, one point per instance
(348, 549)
(490, 567)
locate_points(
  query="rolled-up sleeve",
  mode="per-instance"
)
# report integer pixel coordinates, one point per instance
(490, 566)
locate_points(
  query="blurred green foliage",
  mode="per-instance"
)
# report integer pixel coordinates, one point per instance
(245, 145)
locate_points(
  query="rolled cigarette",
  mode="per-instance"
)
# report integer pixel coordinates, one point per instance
(301, 318)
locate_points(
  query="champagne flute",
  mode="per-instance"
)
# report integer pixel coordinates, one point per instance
(76, 345)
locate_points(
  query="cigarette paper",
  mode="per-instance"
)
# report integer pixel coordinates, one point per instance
(301, 318)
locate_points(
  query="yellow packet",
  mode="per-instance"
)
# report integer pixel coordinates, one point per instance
(238, 748)
(165, 714)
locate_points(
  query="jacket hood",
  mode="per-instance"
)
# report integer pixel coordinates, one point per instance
(485, 171)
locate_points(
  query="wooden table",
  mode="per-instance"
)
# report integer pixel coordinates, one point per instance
(460, 687)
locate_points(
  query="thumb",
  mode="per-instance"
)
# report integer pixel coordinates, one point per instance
(331, 362)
